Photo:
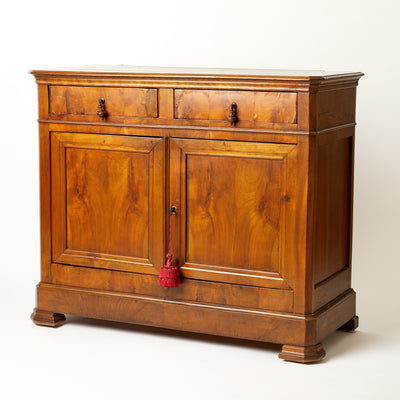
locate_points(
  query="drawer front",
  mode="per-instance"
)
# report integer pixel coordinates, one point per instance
(267, 107)
(78, 101)
(192, 290)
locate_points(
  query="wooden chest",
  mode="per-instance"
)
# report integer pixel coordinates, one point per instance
(259, 167)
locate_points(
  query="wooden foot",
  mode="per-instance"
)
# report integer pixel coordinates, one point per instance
(350, 325)
(47, 318)
(308, 354)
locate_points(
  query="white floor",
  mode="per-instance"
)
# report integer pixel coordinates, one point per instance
(89, 359)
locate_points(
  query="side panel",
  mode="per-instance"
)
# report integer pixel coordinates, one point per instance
(45, 186)
(336, 107)
(332, 215)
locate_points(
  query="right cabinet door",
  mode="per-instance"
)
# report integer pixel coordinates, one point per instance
(232, 200)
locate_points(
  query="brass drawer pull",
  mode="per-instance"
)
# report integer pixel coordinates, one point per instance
(232, 117)
(101, 111)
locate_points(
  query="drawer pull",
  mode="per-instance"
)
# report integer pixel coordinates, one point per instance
(101, 110)
(232, 117)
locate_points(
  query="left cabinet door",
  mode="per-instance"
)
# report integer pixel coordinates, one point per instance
(108, 201)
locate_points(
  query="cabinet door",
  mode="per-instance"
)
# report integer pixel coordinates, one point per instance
(108, 201)
(232, 199)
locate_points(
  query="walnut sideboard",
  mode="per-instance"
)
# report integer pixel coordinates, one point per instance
(257, 166)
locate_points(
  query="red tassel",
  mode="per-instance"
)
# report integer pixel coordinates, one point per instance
(169, 275)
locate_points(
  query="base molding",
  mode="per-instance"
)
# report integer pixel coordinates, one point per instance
(47, 318)
(350, 325)
(300, 354)
(301, 333)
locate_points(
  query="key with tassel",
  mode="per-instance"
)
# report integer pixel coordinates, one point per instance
(169, 275)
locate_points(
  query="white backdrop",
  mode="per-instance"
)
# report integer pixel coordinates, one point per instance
(105, 360)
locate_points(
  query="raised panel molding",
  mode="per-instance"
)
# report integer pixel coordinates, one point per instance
(217, 204)
(102, 187)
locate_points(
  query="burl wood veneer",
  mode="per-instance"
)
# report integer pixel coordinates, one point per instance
(259, 165)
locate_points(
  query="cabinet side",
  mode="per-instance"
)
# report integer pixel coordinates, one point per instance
(45, 189)
(333, 194)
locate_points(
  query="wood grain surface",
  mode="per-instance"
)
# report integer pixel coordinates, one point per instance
(107, 200)
(252, 106)
(128, 102)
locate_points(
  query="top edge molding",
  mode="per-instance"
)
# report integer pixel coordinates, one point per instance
(170, 73)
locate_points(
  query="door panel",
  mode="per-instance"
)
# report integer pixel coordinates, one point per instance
(108, 201)
(231, 199)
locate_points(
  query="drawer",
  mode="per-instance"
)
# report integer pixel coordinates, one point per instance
(252, 106)
(82, 103)
(192, 290)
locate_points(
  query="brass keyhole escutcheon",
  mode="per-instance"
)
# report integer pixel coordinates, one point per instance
(173, 210)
